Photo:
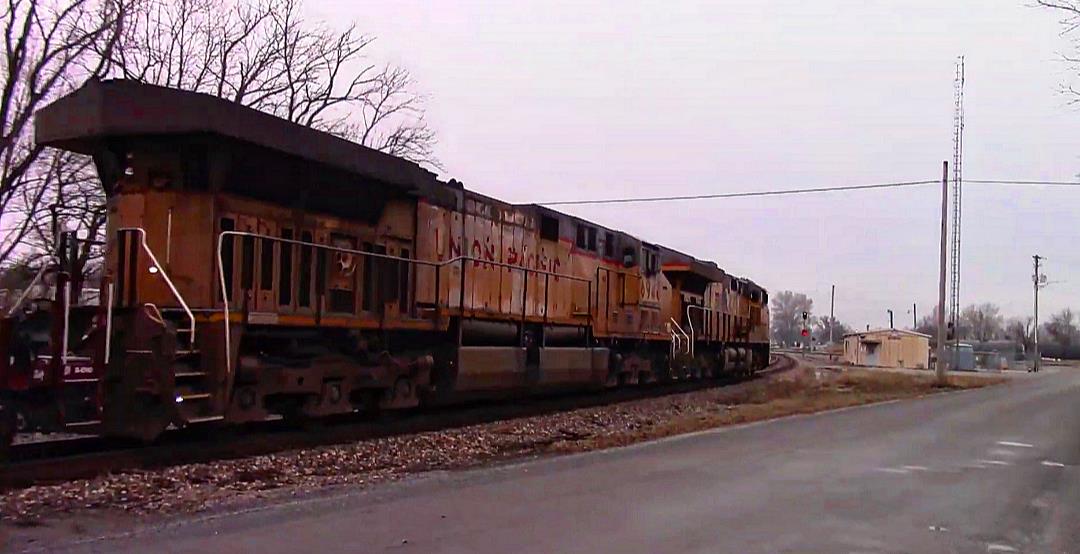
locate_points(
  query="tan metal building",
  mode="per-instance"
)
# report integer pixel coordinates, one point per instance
(888, 348)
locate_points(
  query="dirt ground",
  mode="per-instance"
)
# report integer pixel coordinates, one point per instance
(197, 487)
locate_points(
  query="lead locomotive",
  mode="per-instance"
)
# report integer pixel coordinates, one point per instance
(254, 267)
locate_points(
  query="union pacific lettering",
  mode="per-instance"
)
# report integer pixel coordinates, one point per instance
(486, 250)
(650, 290)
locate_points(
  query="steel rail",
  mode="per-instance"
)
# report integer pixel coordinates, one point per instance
(88, 457)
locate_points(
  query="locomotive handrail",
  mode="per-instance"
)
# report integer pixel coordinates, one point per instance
(437, 265)
(675, 340)
(165, 276)
(427, 263)
(30, 287)
(690, 320)
(225, 312)
(67, 324)
(512, 266)
(683, 333)
(108, 325)
(693, 334)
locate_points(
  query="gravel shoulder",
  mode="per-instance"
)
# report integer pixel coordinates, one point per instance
(131, 498)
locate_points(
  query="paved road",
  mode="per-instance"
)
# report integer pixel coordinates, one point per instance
(982, 471)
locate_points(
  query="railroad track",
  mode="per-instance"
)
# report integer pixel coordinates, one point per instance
(68, 459)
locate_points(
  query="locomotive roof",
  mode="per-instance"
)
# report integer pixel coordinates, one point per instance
(100, 110)
(115, 108)
(673, 260)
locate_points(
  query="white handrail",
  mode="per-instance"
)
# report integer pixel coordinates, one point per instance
(690, 323)
(426, 263)
(108, 325)
(690, 320)
(437, 265)
(67, 323)
(168, 238)
(161, 270)
(225, 308)
(686, 350)
(675, 341)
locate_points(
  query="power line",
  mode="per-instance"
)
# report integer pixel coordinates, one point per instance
(785, 192)
(740, 194)
(1022, 183)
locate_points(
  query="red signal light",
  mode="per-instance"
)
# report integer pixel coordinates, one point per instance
(805, 332)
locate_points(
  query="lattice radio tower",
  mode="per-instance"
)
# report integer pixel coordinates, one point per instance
(957, 191)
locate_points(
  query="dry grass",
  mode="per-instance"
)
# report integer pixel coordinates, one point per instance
(803, 392)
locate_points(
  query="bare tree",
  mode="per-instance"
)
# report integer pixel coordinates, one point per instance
(264, 54)
(48, 47)
(1070, 22)
(1021, 330)
(787, 322)
(259, 53)
(981, 322)
(823, 324)
(68, 197)
(1062, 328)
(928, 325)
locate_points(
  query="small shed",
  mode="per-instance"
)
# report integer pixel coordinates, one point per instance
(999, 355)
(888, 348)
(960, 357)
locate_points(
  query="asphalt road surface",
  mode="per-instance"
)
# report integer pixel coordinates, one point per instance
(994, 470)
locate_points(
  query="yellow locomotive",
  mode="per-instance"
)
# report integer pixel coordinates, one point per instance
(255, 267)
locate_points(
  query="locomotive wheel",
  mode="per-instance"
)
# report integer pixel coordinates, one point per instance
(294, 417)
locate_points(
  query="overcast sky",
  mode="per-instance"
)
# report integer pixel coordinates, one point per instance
(538, 101)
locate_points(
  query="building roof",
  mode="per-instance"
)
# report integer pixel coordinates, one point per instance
(890, 331)
(1007, 346)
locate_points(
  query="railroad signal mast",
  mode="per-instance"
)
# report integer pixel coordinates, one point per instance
(805, 330)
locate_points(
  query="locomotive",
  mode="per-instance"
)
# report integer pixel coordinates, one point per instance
(257, 268)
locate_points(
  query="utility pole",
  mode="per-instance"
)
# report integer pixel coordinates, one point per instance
(914, 315)
(890, 319)
(832, 317)
(1038, 279)
(939, 369)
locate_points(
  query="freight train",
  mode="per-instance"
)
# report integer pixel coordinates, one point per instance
(257, 268)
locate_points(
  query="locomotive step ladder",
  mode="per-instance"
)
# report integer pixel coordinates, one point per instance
(194, 395)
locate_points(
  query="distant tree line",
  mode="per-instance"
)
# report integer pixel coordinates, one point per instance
(787, 323)
(984, 322)
(977, 323)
